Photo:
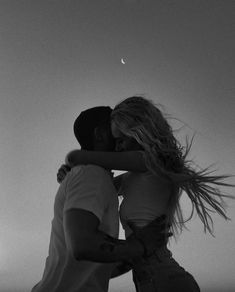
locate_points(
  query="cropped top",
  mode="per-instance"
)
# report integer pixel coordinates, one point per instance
(145, 197)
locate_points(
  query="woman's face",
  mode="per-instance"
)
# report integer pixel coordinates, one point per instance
(124, 143)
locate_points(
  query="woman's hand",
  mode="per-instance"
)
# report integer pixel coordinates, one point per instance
(62, 172)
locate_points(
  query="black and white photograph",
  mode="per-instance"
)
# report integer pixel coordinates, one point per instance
(117, 152)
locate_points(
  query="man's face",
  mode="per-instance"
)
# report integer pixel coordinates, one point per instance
(108, 141)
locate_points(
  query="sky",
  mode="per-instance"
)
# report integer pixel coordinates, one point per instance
(58, 58)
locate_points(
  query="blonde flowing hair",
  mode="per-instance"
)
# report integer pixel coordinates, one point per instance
(140, 119)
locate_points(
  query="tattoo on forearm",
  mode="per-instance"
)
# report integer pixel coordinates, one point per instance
(111, 244)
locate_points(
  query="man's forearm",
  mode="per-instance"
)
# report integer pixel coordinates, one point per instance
(121, 268)
(85, 241)
(103, 248)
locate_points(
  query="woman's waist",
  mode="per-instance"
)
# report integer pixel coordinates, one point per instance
(138, 220)
(140, 213)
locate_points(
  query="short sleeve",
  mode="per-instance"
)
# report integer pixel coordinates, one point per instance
(84, 190)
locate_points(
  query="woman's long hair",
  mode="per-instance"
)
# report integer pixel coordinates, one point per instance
(140, 119)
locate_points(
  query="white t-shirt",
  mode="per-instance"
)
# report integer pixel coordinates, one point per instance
(145, 197)
(90, 188)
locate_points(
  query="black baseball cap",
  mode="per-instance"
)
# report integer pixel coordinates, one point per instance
(86, 123)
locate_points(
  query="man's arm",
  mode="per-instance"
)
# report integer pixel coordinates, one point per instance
(120, 269)
(86, 242)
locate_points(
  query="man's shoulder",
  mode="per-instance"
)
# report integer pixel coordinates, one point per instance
(89, 177)
(97, 172)
(89, 170)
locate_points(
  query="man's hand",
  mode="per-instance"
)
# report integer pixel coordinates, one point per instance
(120, 268)
(152, 236)
(62, 172)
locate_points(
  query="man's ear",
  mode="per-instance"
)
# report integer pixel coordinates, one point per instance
(98, 134)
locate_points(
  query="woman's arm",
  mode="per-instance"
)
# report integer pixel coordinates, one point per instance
(129, 160)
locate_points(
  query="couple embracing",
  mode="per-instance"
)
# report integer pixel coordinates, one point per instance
(84, 251)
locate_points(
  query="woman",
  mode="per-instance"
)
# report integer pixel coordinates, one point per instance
(153, 187)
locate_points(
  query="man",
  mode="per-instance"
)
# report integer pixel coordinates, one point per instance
(83, 244)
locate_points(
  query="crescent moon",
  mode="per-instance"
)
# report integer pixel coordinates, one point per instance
(122, 61)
